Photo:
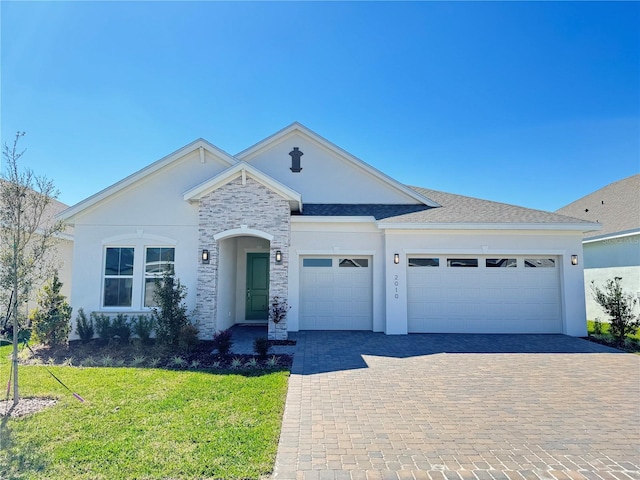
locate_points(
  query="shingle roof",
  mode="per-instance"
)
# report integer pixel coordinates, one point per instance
(378, 211)
(616, 207)
(456, 209)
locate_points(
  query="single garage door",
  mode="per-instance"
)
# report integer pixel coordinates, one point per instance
(484, 294)
(336, 293)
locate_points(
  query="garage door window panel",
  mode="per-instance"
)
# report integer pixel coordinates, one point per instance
(462, 262)
(424, 262)
(539, 263)
(501, 263)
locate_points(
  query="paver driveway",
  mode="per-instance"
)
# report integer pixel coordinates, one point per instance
(459, 407)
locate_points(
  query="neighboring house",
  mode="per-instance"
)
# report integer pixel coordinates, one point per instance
(296, 217)
(613, 251)
(59, 257)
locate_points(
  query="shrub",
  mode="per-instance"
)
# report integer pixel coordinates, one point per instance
(222, 341)
(51, 319)
(619, 306)
(597, 327)
(261, 346)
(189, 337)
(103, 326)
(84, 327)
(142, 326)
(170, 312)
(120, 328)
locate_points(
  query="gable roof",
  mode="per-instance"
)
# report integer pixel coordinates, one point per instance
(456, 211)
(616, 206)
(242, 169)
(148, 170)
(460, 211)
(297, 127)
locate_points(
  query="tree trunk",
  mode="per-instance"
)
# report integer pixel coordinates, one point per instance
(16, 327)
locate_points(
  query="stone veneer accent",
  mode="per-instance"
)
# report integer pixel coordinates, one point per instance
(232, 206)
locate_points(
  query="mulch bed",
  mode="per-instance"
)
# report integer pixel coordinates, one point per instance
(135, 354)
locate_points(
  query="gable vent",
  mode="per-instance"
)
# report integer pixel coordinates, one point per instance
(295, 159)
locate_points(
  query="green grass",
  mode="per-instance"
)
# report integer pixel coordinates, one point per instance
(143, 424)
(605, 329)
(631, 344)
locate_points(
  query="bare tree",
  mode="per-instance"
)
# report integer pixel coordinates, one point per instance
(27, 231)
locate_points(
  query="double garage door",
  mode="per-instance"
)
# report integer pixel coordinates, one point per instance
(445, 294)
(482, 294)
(336, 293)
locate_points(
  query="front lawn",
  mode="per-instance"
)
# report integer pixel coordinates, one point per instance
(143, 423)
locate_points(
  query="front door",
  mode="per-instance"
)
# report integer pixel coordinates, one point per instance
(257, 295)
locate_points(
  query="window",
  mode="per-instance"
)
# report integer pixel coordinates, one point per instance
(317, 262)
(462, 262)
(118, 277)
(424, 262)
(501, 263)
(158, 260)
(353, 262)
(539, 263)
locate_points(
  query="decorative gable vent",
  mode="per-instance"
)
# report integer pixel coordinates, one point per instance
(295, 159)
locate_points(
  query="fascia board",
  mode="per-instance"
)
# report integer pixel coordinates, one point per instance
(611, 236)
(245, 155)
(197, 192)
(68, 214)
(578, 227)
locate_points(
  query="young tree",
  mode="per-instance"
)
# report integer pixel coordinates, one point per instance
(170, 312)
(619, 307)
(52, 319)
(27, 230)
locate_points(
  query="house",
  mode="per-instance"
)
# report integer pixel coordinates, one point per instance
(349, 248)
(613, 251)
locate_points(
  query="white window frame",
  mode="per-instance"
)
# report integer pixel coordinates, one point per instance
(147, 276)
(106, 276)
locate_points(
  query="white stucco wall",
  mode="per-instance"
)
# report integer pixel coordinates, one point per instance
(325, 177)
(88, 259)
(609, 258)
(630, 284)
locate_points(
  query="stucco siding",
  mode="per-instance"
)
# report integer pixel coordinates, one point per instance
(325, 177)
(630, 283)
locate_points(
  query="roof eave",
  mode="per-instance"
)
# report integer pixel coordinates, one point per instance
(68, 215)
(577, 227)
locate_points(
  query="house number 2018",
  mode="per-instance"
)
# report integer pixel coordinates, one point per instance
(395, 284)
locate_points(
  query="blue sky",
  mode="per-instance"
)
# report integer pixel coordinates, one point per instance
(535, 104)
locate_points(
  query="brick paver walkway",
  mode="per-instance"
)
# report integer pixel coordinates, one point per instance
(364, 405)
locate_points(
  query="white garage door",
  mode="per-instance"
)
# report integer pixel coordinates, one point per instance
(336, 293)
(482, 294)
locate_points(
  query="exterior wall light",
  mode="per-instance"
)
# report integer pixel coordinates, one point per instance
(574, 259)
(278, 256)
(205, 256)
(396, 258)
